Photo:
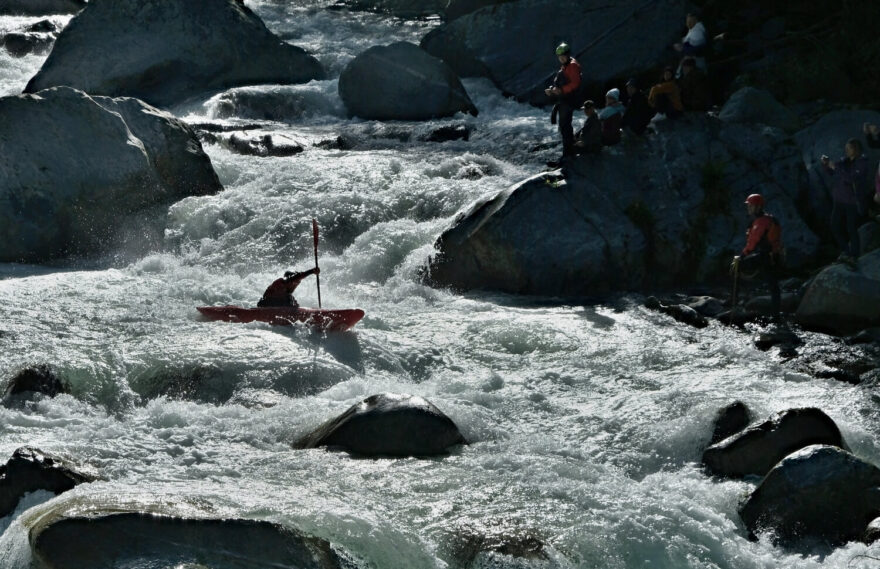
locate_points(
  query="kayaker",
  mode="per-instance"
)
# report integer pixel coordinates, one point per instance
(280, 292)
(566, 91)
(763, 253)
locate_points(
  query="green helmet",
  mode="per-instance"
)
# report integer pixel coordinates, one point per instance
(563, 49)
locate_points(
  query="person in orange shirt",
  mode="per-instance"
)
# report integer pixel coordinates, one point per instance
(665, 96)
(763, 253)
(566, 90)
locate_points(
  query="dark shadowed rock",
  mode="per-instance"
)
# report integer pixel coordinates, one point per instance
(820, 493)
(79, 169)
(19, 44)
(750, 105)
(261, 144)
(388, 425)
(167, 51)
(842, 300)
(730, 420)
(458, 8)
(401, 82)
(36, 379)
(872, 532)
(498, 543)
(40, 7)
(31, 469)
(113, 537)
(513, 43)
(680, 312)
(753, 452)
(707, 306)
(451, 132)
(869, 236)
(778, 336)
(399, 8)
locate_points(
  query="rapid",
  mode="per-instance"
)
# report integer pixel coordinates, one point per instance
(587, 419)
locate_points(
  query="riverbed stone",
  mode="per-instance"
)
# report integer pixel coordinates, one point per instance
(754, 451)
(30, 469)
(388, 424)
(401, 81)
(680, 312)
(730, 420)
(167, 51)
(40, 7)
(513, 43)
(35, 379)
(817, 494)
(80, 171)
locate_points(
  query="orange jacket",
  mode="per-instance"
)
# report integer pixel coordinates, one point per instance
(572, 73)
(669, 88)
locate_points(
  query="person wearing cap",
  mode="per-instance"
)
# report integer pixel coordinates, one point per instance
(566, 91)
(611, 117)
(665, 96)
(694, 87)
(280, 292)
(638, 112)
(588, 140)
(763, 253)
(850, 196)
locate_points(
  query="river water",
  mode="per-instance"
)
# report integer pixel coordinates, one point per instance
(587, 421)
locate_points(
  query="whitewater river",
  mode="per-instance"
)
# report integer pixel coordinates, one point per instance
(587, 421)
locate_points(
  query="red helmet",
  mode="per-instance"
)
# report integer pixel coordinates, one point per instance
(755, 199)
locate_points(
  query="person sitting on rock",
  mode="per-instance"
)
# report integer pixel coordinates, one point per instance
(280, 292)
(850, 195)
(588, 140)
(872, 132)
(763, 254)
(694, 87)
(611, 117)
(665, 96)
(566, 90)
(638, 112)
(694, 43)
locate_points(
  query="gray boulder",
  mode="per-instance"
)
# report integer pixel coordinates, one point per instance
(35, 379)
(40, 7)
(77, 168)
(513, 43)
(706, 305)
(19, 44)
(31, 469)
(115, 537)
(680, 312)
(167, 51)
(730, 420)
(820, 493)
(842, 300)
(401, 82)
(750, 105)
(754, 451)
(388, 425)
(665, 212)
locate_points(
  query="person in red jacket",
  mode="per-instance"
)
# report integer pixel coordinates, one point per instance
(763, 253)
(566, 90)
(280, 292)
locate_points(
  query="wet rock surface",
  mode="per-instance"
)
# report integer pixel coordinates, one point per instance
(730, 420)
(30, 469)
(40, 7)
(40, 379)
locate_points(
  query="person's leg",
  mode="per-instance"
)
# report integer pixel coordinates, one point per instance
(838, 226)
(566, 113)
(853, 220)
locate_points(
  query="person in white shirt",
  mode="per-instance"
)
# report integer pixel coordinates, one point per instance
(693, 44)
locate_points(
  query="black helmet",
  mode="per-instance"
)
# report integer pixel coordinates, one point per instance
(288, 274)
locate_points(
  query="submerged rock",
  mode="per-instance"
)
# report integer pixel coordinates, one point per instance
(401, 82)
(19, 44)
(756, 450)
(820, 493)
(708, 306)
(842, 300)
(399, 8)
(80, 168)
(730, 420)
(513, 43)
(388, 425)
(165, 52)
(40, 7)
(31, 469)
(36, 379)
(499, 543)
(680, 312)
(114, 537)
(271, 144)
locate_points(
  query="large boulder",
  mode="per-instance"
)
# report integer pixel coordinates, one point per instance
(664, 212)
(167, 51)
(750, 105)
(388, 424)
(40, 7)
(35, 379)
(754, 451)
(76, 167)
(399, 8)
(31, 469)
(71, 537)
(820, 493)
(513, 43)
(401, 82)
(458, 8)
(843, 300)
(730, 420)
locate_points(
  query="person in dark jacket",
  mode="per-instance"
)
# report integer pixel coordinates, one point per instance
(280, 292)
(872, 132)
(588, 139)
(763, 253)
(850, 195)
(665, 96)
(694, 87)
(566, 90)
(611, 117)
(638, 112)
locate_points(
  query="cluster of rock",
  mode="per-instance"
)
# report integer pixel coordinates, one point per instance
(34, 38)
(811, 489)
(40, 7)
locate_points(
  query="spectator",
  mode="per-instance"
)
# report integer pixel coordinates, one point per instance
(611, 117)
(665, 97)
(850, 195)
(588, 139)
(694, 87)
(638, 112)
(694, 43)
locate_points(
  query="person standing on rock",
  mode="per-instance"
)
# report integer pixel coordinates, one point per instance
(280, 292)
(566, 90)
(850, 195)
(588, 140)
(611, 117)
(763, 253)
(638, 112)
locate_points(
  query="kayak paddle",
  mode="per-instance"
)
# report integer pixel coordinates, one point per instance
(317, 277)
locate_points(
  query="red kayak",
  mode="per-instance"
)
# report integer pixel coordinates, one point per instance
(330, 320)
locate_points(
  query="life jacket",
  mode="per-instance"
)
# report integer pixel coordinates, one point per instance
(768, 233)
